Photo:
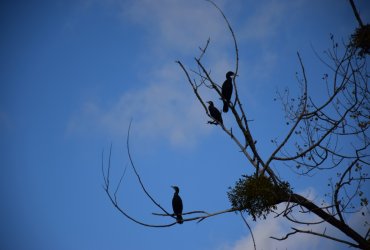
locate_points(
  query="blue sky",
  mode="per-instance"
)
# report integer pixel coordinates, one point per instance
(73, 74)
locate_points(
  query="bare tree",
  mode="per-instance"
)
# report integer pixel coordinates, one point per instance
(322, 136)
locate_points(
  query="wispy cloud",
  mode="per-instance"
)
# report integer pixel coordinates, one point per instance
(264, 33)
(264, 22)
(165, 106)
(179, 25)
(279, 227)
(162, 109)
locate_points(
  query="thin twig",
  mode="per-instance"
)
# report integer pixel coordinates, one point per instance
(250, 229)
(137, 174)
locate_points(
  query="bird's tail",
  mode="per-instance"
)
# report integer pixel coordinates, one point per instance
(179, 218)
(226, 106)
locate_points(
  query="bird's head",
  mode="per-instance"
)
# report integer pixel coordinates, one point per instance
(210, 103)
(230, 74)
(176, 188)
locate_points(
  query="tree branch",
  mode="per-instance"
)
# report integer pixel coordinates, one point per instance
(355, 12)
(295, 230)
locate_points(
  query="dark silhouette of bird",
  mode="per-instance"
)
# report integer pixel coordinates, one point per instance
(227, 90)
(177, 205)
(215, 113)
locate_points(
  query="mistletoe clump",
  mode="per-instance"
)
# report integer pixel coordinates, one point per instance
(257, 195)
(361, 40)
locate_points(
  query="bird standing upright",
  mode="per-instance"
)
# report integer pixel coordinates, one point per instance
(215, 113)
(177, 205)
(227, 90)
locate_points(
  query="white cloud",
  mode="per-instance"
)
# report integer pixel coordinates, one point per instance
(264, 22)
(279, 227)
(164, 108)
(264, 27)
(267, 21)
(276, 227)
(176, 24)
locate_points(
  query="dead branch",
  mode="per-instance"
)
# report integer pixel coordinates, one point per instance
(313, 143)
(250, 230)
(295, 230)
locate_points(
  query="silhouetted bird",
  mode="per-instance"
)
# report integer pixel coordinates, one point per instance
(177, 205)
(227, 90)
(215, 113)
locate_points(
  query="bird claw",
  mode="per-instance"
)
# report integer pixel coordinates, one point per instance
(212, 122)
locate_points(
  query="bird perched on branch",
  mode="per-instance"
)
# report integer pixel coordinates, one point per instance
(227, 90)
(177, 205)
(215, 113)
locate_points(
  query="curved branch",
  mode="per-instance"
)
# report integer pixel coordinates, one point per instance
(249, 139)
(362, 242)
(202, 217)
(338, 187)
(137, 174)
(113, 198)
(250, 230)
(295, 230)
(115, 204)
(187, 213)
(233, 35)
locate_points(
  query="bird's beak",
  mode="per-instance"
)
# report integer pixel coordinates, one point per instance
(173, 187)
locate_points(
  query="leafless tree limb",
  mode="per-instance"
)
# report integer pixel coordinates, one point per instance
(295, 230)
(114, 200)
(331, 135)
(355, 12)
(250, 230)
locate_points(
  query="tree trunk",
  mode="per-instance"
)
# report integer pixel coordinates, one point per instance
(298, 199)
